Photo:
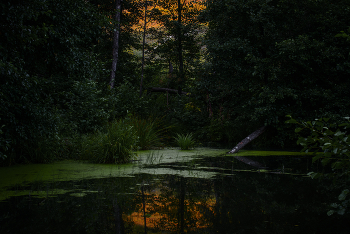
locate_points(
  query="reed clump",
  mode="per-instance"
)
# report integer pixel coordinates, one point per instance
(117, 144)
(185, 141)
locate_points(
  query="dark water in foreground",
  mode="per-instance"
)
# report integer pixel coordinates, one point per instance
(202, 194)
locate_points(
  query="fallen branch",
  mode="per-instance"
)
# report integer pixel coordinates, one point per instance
(248, 139)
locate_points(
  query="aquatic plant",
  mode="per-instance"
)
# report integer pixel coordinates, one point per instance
(153, 158)
(115, 145)
(185, 142)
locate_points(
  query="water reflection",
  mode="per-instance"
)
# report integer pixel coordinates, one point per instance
(172, 206)
(237, 199)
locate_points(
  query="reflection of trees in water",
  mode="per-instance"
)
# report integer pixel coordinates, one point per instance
(175, 205)
(243, 202)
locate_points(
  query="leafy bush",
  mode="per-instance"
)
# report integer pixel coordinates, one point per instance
(185, 141)
(330, 143)
(115, 145)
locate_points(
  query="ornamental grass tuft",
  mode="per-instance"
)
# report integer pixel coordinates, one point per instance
(150, 131)
(185, 142)
(115, 145)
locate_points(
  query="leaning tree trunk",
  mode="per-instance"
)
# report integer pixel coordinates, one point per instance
(248, 139)
(115, 43)
(244, 142)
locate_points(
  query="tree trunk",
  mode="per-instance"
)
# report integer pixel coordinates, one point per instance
(247, 140)
(143, 47)
(170, 75)
(179, 49)
(115, 43)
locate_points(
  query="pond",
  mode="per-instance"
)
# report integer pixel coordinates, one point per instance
(171, 191)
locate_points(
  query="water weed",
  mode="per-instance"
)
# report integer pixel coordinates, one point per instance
(154, 158)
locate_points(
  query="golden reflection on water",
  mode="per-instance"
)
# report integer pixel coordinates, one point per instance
(163, 212)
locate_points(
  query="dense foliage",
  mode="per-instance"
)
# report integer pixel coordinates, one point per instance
(47, 70)
(272, 58)
(263, 59)
(54, 71)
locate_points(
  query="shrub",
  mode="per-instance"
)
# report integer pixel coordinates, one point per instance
(330, 140)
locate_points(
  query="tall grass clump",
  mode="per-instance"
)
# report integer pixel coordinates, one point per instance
(185, 142)
(114, 145)
(150, 131)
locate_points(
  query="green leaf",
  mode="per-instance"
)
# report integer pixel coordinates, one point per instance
(313, 175)
(330, 212)
(334, 205)
(343, 194)
(325, 161)
(291, 121)
(337, 165)
(338, 133)
(298, 129)
(317, 157)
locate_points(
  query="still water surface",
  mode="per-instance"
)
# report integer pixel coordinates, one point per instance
(170, 191)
